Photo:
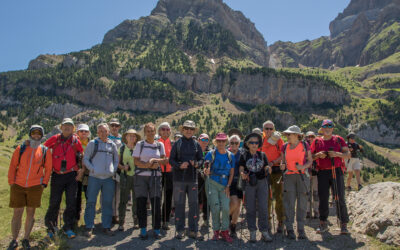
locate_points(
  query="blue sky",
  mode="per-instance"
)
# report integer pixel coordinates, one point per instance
(30, 28)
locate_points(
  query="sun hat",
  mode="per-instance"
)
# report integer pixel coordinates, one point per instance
(188, 124)
(251, 135)
(131, 131)
(293, 130)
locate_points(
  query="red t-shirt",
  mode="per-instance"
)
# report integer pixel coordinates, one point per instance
(167, 147)
(336, 143)
(64, 150)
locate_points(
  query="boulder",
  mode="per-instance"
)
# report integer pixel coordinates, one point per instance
(375, 210)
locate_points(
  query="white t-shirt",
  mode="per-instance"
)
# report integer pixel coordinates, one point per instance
(149, 151)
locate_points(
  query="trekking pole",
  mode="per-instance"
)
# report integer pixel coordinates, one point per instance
(165, 197)
(335, 190)
(311, 199)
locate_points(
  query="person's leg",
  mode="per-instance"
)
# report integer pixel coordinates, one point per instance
(179, 202)
(224, 200)
(29, 221)
(116, 200)
(278, 196)
(169, 195)
(262, 201)
(315, 195)
(93, 189)
(323, 194)
(251, 207)
(107, 192)
(302, 199)
(56, 191)
(124, 196)
(70, 199)
(357, 172)
(234, 208)
(193, 207)
(131, 190)
(349, 177)
(16, 222)
(78, 201)
(344, 217)
(213, 199)
(155, 198)
(289, 200)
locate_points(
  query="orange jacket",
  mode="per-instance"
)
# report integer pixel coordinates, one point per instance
(30, 171)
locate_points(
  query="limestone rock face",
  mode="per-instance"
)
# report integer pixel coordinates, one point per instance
(375, 210)
(380, 134)
(45, 61)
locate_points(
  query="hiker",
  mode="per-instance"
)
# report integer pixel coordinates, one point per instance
(115, 137)
(272, 144)
(236, 131)
(28, 175)
(185, 156)
(354, 164)
(202, 196)
(149, 155)
(66, 152)
(254, 169)
(101, 159)
(329, 150)
(236, 194)
(312, 209)
(83, 133)
(297, 159)
(219, 167)
(177, 136)
(164, 130)
(126, 168)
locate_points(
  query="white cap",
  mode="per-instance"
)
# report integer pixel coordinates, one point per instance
(84, 127)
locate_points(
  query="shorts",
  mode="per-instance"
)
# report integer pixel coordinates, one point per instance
(353, 164)
(25, 197)
(234, 191)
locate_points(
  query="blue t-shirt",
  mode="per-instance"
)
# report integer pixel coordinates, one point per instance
(221, 168)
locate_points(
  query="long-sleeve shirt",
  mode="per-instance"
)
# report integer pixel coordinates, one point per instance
(189, 150)
(105, 163)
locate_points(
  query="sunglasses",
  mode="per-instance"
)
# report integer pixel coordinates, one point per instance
(83, 131)
(115, 125)
(234, 143)
(204, 140)
(268, 129)
(191, 129)
(253, 142)
(311, 136)
(327, 126)
(165, 129)
(36, 132)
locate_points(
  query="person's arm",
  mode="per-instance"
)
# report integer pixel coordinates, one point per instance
(86, 157)
(48, 168)
(115, 157)
(13, 166)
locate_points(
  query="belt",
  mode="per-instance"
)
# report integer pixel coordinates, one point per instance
(67, 171)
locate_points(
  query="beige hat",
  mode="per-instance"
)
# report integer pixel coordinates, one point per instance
(257, 130)
(274, 138)
(114, 121)
(293, 130)
(67, 121)
(188, 124)
(130, 131)
(310, 133)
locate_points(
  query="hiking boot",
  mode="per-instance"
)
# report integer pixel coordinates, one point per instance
(195, 235)
(180, 235)
(290, 234)
(279, 229)
(88, 232)
(308, 216)
(316, 215)
(253, 237)
(343, 229)
(156, 234)
(50, 234)
(70, 234)
(108, 232)
(266, 237)
(233, 230)
(359, 187)
(25, 244)
(301, 235)
(225, 236)
(323, 227)
(121, 228)
(13, 245)
(165, 226)
(348, 189)
(216, 235)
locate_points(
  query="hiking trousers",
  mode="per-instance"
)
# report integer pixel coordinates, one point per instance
(325, 181)
(81, 188)
(203, 196)
(168, 188)
(295, 189)
(126, 189)
(315, 199)
(181, 189)
(256, 201)
(219, 204)
(61, 183)
(277, 190)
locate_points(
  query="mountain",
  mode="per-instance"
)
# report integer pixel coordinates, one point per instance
(366, 32)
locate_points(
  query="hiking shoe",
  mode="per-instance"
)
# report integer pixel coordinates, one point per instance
(108, 232)
(301, 235)
(290, 234)
(25, 244)
(165, 226)
(266, 237)
(88, 232)
(180, 235)
(195, 235)
(13, 245)
(253, 236)
(50, 234)
(348, 189)
(70, 234)
(279, 229)
(205, 225)
(156, 234)
(225, 236)
(343, 229)
(216, 235)
(233, 230)
(359, 187)
(323, 227)
(121, 228)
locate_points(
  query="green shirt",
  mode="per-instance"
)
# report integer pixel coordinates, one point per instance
(128, 160)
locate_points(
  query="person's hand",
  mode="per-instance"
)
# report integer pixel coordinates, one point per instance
(227, 191)
(244, 176)
(300, 167)
(192, 162)
(184, 165)
(207, 171)
(271, 163)
(321, 155)
(283, 166)
(333, 154)
(126, 167)
(268, 170)
(79, 175)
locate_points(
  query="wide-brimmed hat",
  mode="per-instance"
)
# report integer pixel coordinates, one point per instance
(131, 131)
(274, 138)
(293, 130)
(247, 138)
(310, 133)
(189, 124)
(257, 130)
(235, 131)
(67, 121)
(114, 121)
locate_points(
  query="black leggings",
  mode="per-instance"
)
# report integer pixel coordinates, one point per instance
(168, 188)
(142, 212)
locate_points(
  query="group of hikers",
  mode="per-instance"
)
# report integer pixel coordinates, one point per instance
(219, 177)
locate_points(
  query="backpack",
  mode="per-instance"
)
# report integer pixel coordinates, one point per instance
(141, 145)
(96, 149)
(213, 154)
(343, 167)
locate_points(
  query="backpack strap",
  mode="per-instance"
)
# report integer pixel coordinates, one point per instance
(141, 147)
(178, 148)
(22, 149)
(96, 148)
